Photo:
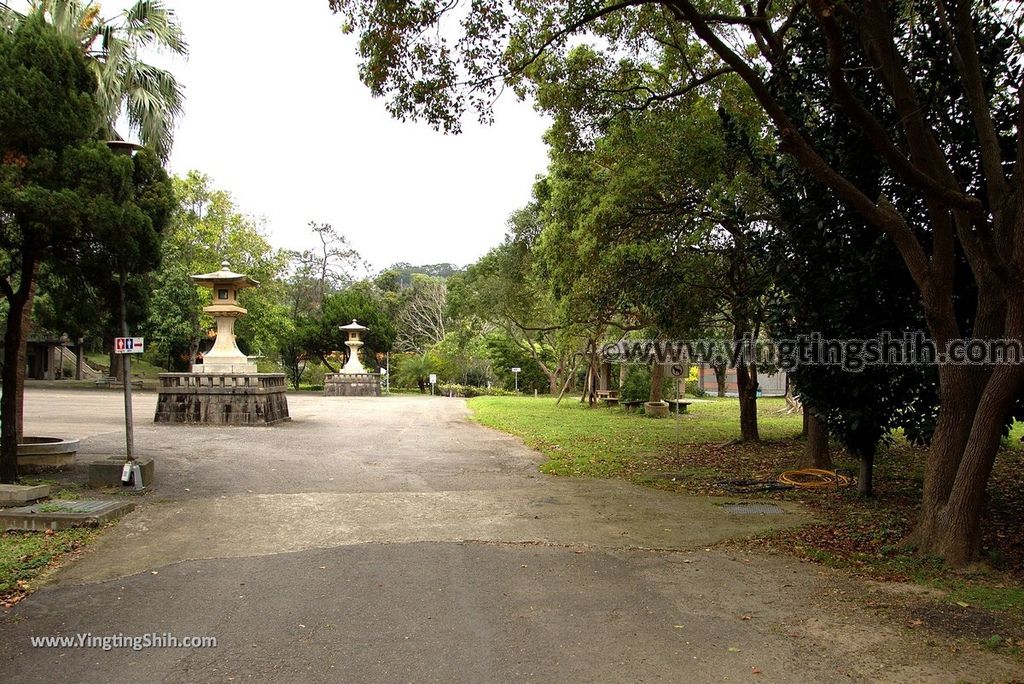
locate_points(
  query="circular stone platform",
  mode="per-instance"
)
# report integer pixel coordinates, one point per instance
(46, 452)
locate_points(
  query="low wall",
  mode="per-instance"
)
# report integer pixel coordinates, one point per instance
(352, 385)
(222, 398)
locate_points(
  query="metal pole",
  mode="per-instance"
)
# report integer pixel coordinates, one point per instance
(679, 423)
(129, 427)
(517, 382)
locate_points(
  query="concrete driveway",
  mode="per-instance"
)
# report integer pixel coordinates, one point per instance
(392, 539)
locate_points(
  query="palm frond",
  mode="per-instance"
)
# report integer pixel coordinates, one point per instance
(151, 98)
(154, 101)
(152, 23)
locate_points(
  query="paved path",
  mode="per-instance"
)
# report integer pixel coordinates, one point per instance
(394, 540)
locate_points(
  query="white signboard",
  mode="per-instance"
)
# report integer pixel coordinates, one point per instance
(129, 345)
(433, 378)
(517, 370)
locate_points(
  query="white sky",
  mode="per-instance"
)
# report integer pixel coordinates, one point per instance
(276, 115)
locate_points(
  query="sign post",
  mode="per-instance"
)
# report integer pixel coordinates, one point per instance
(678, 372)
(515, 372)
(433, 381)
(125, 347)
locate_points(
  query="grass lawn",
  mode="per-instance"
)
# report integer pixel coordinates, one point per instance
(868, 537)
(140, 368)
(24, 556)
(605, 442)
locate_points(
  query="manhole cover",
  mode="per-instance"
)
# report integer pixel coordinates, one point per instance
(80, 507)
(59, 515)
(754, 509)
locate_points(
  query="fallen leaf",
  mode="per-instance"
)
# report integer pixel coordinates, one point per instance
(734, 649)
(755, 670)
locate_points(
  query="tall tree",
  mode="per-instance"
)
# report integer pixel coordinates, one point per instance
(503, 290)
(66, 199)
(326, 268)
(973, 194)
(423, 319)
(150, 98)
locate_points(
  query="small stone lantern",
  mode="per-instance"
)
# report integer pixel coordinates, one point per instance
(354, 334)
(225, 356)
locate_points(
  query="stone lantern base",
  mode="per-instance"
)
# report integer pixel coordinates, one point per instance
(222, 398)
(352, 385)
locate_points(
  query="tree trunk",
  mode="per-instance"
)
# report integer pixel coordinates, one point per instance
(720, 374)
(816, 450)
(657, 380)
(958, 539)
(958, 398)
(13, 373)
(21, 368)
(9, 405)
(746, 383)
(865, 483)
(327, 364)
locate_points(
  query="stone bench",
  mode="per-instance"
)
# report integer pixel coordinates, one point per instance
(111, 382)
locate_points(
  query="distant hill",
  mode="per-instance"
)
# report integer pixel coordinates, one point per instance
(407, 271)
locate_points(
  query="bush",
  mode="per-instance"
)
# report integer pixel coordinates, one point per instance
(637, 386)
(469, 391)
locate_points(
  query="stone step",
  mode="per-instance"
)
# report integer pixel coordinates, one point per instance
(14, 495)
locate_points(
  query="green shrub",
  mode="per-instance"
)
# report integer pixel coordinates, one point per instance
(637, 386)
(469, 391)
(694, 390)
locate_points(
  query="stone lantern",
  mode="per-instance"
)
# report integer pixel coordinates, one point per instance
(225, 356)
(226, 388)
(354, 340)
(353, 380)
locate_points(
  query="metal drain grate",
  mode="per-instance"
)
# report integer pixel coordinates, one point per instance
(754, 509)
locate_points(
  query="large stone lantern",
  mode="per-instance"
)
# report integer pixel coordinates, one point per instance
(225, 388)
(225, 356)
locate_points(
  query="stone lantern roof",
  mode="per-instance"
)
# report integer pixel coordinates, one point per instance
(225, 276)
(353, 327)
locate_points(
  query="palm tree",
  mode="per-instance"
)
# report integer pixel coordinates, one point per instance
(150, 98)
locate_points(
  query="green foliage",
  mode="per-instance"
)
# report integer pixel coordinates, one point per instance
(147, 96)
(637, 385)
(400, 275)
(412, 370)
(462, 358)
(469, 391)
(207, 228)
(505, 355)
(319, 335)
(67, 202)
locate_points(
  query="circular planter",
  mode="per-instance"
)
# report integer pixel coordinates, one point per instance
(43, 453)
(656, 409)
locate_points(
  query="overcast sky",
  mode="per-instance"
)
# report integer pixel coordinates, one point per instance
(276, 115)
